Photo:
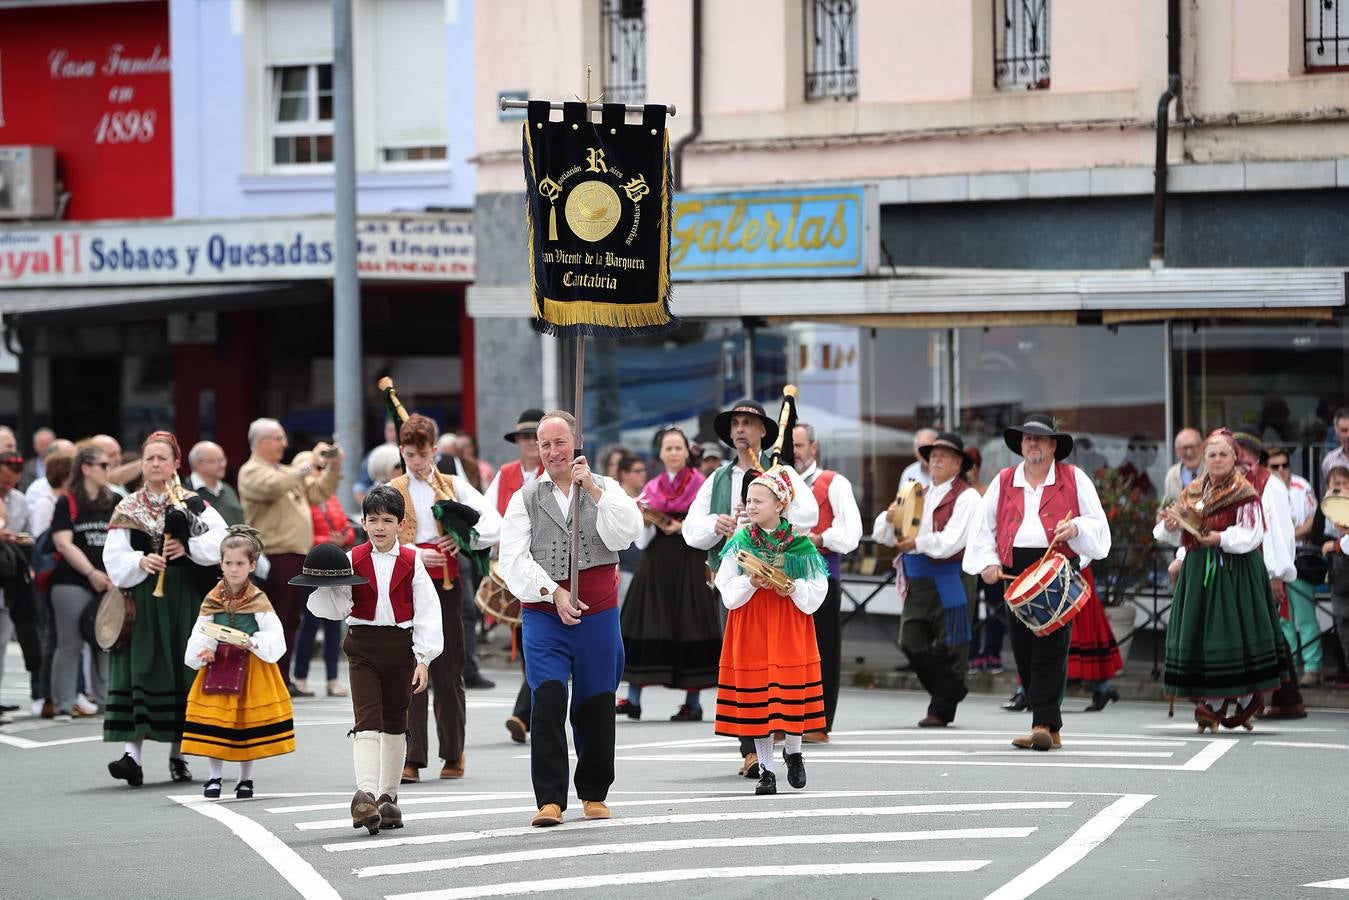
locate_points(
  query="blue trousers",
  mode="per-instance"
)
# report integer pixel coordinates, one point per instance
(590, 654)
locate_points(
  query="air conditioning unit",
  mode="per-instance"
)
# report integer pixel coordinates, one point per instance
(27, 183)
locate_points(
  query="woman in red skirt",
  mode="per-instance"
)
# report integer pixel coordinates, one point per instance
(770, 664)
(1093, 655)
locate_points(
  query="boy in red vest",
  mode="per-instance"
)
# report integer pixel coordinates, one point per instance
(381, 588)
(1041, 503)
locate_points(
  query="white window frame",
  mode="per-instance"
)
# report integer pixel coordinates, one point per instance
(313, 126)
(412, 165)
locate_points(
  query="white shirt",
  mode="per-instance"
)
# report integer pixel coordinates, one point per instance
(914, 472)
(428, 637)
(845, 533)
(1243, 537)
(123, 564)
(1280, 547)
(40, 506)
(1301, 500)
(423, 497)
(268, 644)
(936, 544)
(618, 521)
(700, 525)
(494, 491)
(736, 590)
(1093, 529)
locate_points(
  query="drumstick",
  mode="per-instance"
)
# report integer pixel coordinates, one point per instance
(1050, 549)
(1005, 577)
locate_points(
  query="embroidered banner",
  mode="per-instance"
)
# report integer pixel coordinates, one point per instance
(599, 221)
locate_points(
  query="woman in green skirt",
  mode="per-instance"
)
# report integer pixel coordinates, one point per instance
(1222, 648)
(164, 550)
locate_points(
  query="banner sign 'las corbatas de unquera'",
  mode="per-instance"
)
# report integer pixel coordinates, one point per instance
(599, 221)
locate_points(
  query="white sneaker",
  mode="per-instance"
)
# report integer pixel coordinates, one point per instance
(85, 705)
(37, 707)
(61, 717)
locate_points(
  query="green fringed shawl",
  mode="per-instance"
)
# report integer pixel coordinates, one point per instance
(799, 559)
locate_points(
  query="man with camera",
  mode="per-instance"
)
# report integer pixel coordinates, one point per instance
(276, 501)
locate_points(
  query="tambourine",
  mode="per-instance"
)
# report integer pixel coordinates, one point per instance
(227, 635)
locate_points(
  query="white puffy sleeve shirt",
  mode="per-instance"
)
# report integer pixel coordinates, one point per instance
(736, 589)
(1093, 528)
(618, 521)
(122, 564)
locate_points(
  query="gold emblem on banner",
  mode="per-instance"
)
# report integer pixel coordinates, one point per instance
(592, 210)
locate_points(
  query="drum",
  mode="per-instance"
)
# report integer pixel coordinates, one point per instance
(1336, 509)
(1048, 595)
(494, 600)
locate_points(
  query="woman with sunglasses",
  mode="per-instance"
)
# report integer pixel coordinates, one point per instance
(79, 531)
(160, 528)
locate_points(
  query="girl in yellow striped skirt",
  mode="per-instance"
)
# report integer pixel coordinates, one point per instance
(770, 664)
(226, 719)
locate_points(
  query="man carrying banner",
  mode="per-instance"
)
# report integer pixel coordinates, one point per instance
(718, 509)
(571, 632)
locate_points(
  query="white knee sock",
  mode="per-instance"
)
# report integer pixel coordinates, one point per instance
(246, 770)
(217, 768)
(1245, 700)
(133, 749)
(1215, 705)
(764, 748)
(365, 756)
(792, 743)
(393, 749)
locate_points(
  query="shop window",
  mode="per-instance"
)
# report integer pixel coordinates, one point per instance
(1021, 44)
(623, 36)
(831, 49)
(410, 156)
(1325, 35)
(302, 114)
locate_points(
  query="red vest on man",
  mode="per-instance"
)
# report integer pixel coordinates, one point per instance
(510, 479)
(821, 491)
(365, 597)
(1057, 501)
(941, 516)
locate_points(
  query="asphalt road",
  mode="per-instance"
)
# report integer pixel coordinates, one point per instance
(1134, 805)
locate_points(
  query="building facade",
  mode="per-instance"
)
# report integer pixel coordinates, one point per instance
(1003, 260)
(199, 295)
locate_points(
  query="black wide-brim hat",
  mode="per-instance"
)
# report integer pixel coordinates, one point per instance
(528, 423)
(326, 566)
(722, 424)
(1040, 426)
(950, 441)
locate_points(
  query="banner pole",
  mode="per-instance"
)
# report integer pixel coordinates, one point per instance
(578, 411)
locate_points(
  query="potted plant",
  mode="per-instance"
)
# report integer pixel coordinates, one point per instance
(1132, 512)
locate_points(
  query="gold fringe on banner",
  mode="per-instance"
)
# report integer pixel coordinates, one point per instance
(568, 313)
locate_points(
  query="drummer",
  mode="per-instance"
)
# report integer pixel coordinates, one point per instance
(935, 628)
(1040, 503)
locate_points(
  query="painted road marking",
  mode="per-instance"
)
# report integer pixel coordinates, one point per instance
(1339, 884)
(288, 864)
(1304, 744)
(623, 879)
(1072, 851)
(689, 818)
(492, 859)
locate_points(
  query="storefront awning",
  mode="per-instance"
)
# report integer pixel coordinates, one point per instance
(33, 301)
(935, 299)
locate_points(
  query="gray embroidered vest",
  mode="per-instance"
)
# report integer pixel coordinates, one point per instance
(549, 541)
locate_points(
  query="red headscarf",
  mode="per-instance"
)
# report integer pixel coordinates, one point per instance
(163, 437)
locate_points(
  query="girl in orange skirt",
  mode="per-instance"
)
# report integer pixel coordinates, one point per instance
(226, 719)
(770, 664)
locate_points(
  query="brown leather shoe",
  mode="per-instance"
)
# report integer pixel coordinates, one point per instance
(390, 816)
(596, 809)
(815, 737)
(411, 775)
(1058, 743)
(548, 815)
(1039, 739)
(931, 721)
(365, 812)
(518, 729)
(453, 770)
